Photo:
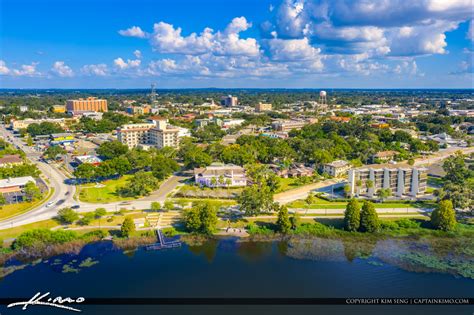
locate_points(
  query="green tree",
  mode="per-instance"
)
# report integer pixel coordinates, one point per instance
(141, 184)
(295, 220)
(52, 152)
(311, 199)
(369, 220)
(32, 192)
(67, 216)
(121, 165)
(283, 221)
(163, 166)
(87, 218)
(444, 217)
(100, 212)
(208, 214)
(85, 171)
(3, 200)
(112, 149)
(192, 219)
(254, 200)
(352, 216)
(202, 218)
(128, 227)
(369, 184)
(155, 206)
(384, 193)
(169, 205)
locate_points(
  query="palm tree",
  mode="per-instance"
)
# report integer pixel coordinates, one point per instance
(358, 185)
(213, 182)
(228, 182)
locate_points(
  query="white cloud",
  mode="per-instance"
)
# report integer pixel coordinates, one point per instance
(382, 27)
(133, 31)
(61, 69)
(97, 69)
(26, 70)
(122, 65)
(292, 49)
(168, 39)
(137, 54)
(470, 31)
(3, 68)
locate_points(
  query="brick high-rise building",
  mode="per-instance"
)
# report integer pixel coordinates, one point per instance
(90, 104)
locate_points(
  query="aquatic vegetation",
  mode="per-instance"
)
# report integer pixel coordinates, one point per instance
(68, 269)
(88, 262)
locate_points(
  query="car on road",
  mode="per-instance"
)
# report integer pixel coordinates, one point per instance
(49, 204)
(75, 207)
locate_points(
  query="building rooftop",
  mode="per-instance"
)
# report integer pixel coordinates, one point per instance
(13, 158)
(338, 163)
(17, 181)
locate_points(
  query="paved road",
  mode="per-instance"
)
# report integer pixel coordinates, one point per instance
(63, 193)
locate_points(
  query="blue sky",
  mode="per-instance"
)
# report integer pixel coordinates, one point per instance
(188, 44)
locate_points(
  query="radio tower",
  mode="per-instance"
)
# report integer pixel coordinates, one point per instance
(153, 94)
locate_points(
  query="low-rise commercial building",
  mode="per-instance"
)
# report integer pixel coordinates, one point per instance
(288, 125)
(401, 180)
(23, 124)
(220, 175)
(10, 160)
(337, 168)
(88, 159)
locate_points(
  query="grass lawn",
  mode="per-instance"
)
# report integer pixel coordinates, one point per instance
(13, 232)
(287, 184)
(324, 204)
(214, 202)
(91, 193)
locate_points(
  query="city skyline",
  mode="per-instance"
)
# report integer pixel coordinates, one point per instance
(237, 44)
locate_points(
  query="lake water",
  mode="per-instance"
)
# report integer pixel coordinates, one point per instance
(227, 268)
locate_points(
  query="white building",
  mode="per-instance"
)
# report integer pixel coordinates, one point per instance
(337, 168)
(402, 181)
(157, 134)
(220, 175)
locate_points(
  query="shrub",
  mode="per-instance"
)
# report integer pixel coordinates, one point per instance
(444, 217)
(128, 227)
(41, 237)
(369, 220)
(100, 212)
(255, 229)
(389, 225)
(314, 229)
(408, 223)
(352, 216)
(87, 218)
(67, 216)
(99, 234)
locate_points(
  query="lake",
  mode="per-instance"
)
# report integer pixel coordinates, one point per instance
(228, 268)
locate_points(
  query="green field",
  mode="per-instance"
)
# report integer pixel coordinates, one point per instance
(108, 193)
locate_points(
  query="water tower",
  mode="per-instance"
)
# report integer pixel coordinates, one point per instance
(323, 98)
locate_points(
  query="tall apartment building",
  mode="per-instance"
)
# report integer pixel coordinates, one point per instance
(90, 104)
(158, 135)
(229, 101)
(401, 180)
